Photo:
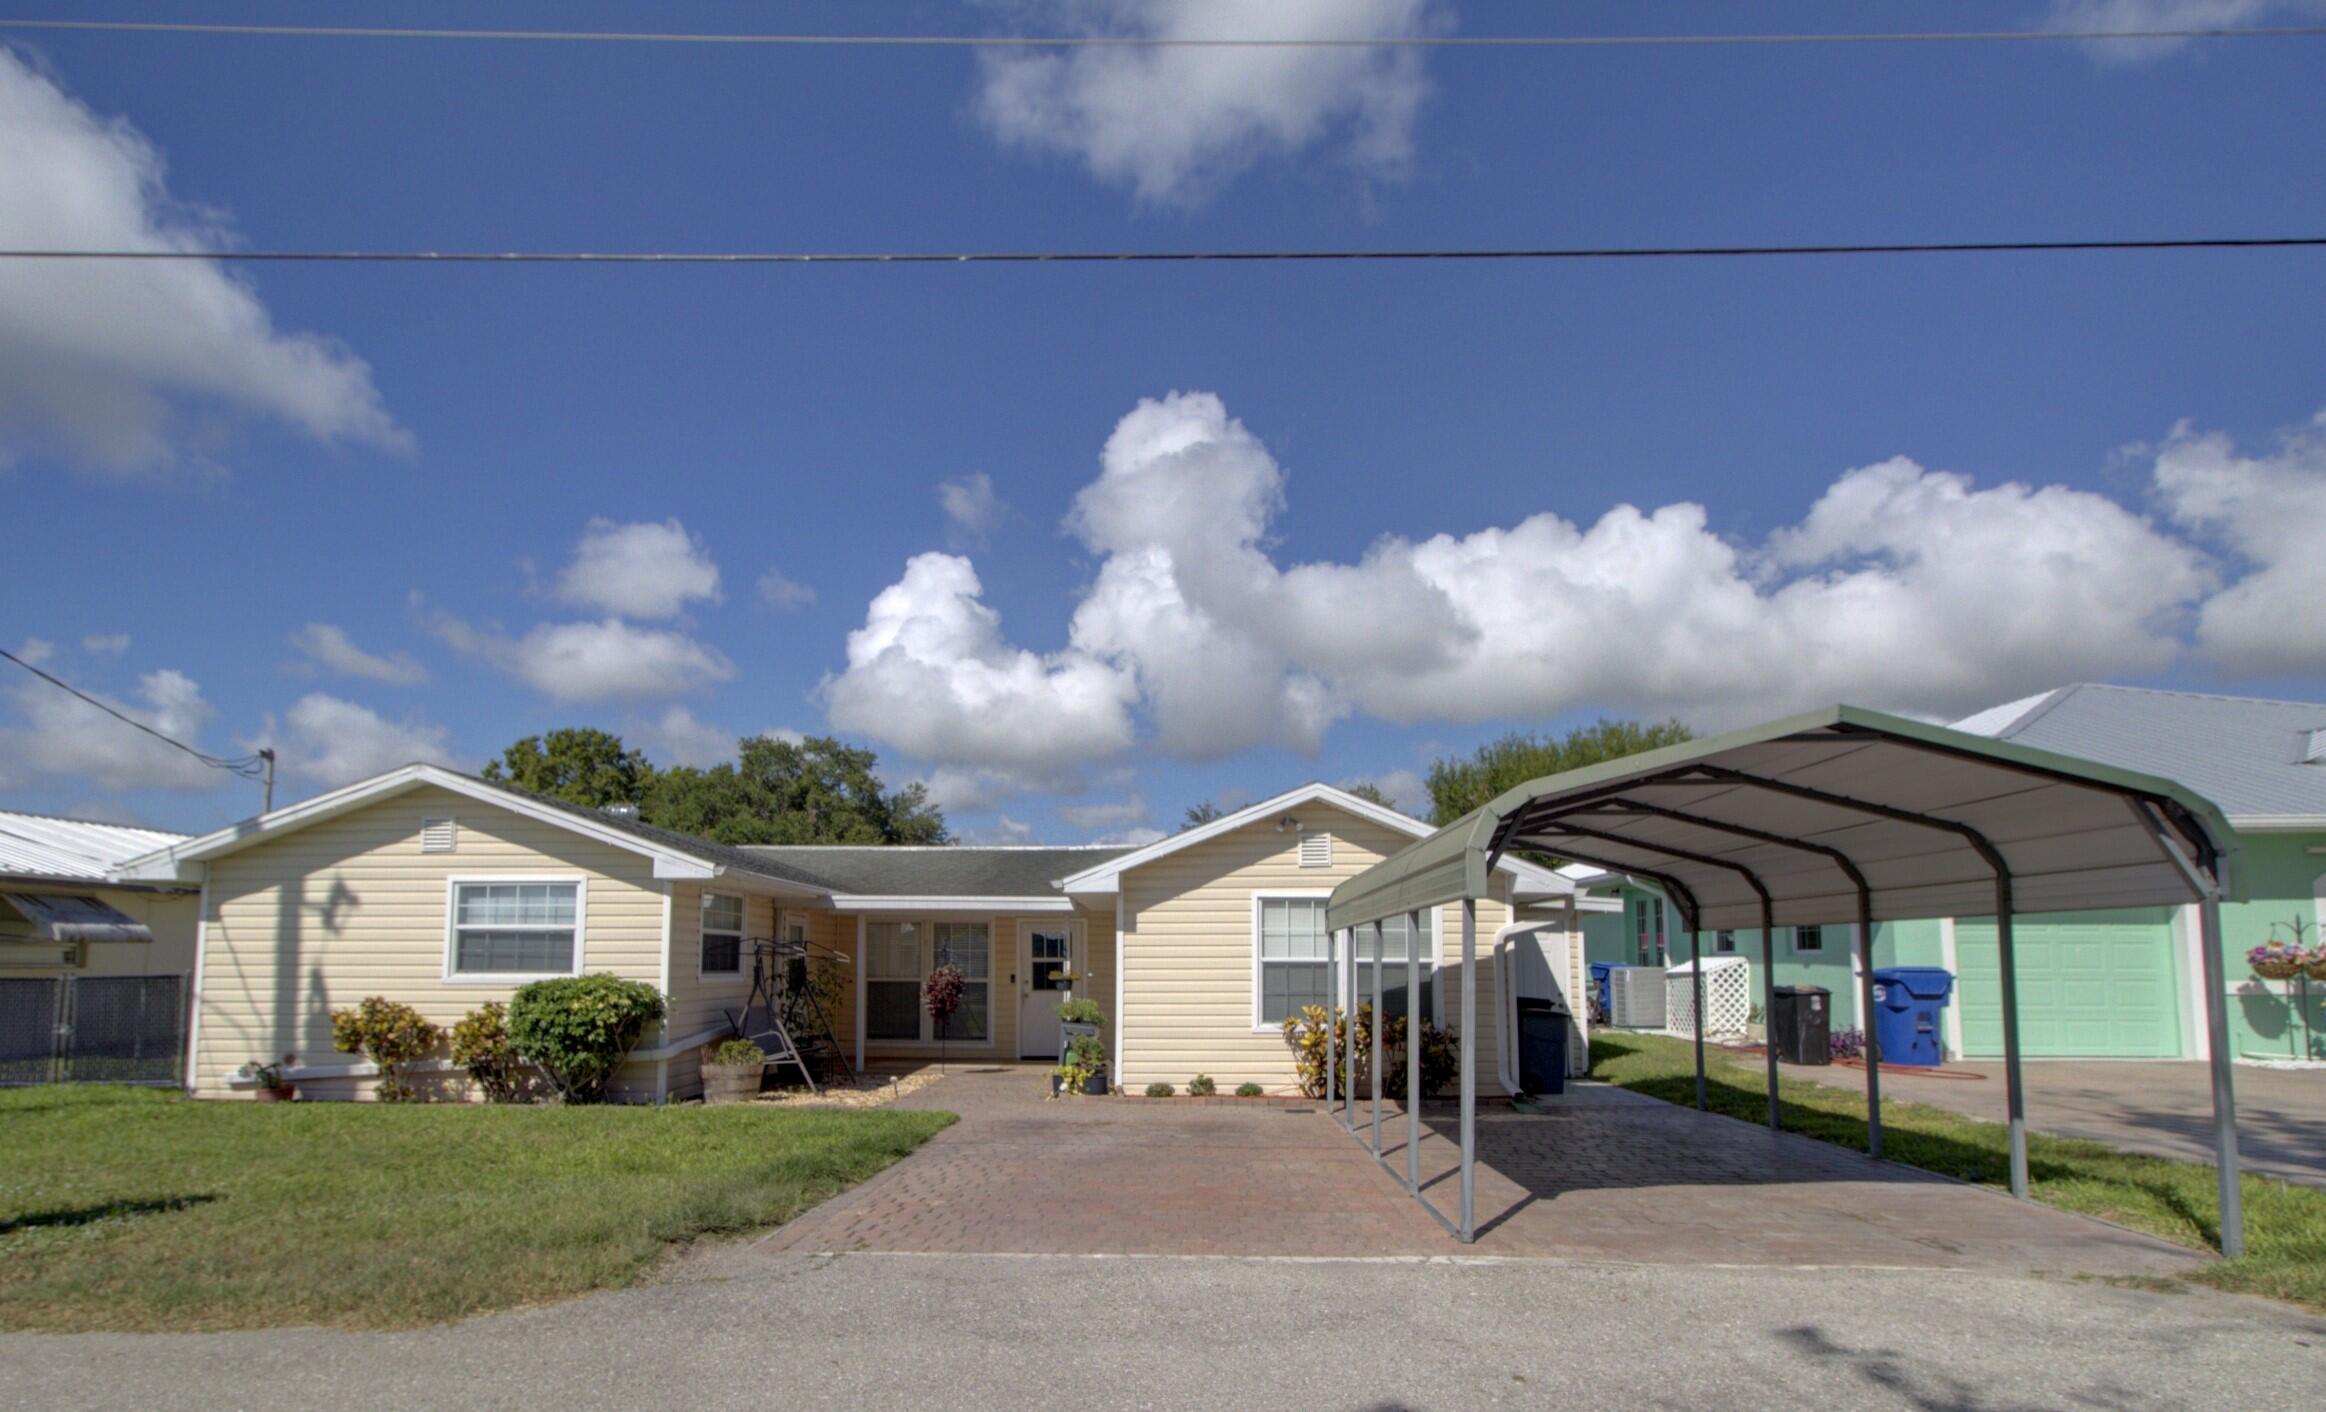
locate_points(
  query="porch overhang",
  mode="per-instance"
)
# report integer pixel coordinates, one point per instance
(68, 918)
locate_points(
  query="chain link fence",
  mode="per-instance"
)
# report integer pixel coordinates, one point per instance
(92, 1029)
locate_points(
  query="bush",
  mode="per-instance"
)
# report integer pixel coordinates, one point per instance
(1311, 1042)
(1441, 1059)
(1846, 1044)
(480, 1044)
(1160, 1090)
(1201, 1086)
(737, 1051)
(578, 1029)
(389, 1034)
(1081, 1012)
(1249, 1090)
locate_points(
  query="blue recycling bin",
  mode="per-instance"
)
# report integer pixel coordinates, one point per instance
(1599, 970)
(1907, 1000)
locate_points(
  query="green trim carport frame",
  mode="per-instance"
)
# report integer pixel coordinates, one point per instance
(1839, 816)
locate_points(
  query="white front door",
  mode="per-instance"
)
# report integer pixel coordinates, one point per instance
(1049, 950)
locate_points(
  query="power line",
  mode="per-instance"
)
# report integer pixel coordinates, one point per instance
(1166, 257)
(1113, 41)
(249, 767)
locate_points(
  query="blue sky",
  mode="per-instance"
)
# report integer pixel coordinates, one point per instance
(1382, 520)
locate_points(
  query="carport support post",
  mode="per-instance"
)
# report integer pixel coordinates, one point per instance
(1413, 1052)
(1349, 1039)
(1769, 1000)
(2007, 972)
(2224, 1094)
(1373, 1061)
(1696, 1001)
(1332, 1041)
(1469, 1231)
(1866, 1017)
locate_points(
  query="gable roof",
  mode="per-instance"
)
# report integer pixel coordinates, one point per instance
(1106, 876)
(44, 846)
(938, 871)
(2249, 756)
(675, 855)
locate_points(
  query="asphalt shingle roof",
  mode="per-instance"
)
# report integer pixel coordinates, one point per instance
(950, 871)
(2245, 754)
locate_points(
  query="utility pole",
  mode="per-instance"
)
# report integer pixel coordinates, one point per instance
(268, 755)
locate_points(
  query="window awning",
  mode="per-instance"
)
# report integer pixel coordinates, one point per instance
(64, 919)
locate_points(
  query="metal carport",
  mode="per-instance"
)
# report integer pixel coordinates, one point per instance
(1838, 817)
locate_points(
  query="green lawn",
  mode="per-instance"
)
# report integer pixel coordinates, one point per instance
(2285, 1224)
(135, 1209)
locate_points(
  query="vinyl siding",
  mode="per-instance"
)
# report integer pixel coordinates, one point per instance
(1190, 952)
(350, 907)
(697, 1001)
(1095, 967)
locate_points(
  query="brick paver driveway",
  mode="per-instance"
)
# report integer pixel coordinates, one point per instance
(1608, 1175)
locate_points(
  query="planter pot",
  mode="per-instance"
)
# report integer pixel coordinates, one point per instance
(1095, 1085)
(276, 1095)
(731, 1083)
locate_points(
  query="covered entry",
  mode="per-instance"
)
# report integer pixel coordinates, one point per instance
(1836, 817)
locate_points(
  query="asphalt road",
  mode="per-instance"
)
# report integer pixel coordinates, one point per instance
(915, 1331)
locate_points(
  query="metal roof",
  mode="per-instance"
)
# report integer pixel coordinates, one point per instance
(39, 846)
(2245, 754)
(950, 870)
(1807, 806)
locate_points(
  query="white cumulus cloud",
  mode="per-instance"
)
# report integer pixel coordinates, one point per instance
(62, 735)
(595, 661)
(679, 737)
(110, 644)
(103, 362)
(2268, 511)
(2156, 15)
(1176, 124)
(330, 742)
(642, 570)
(972, 510)
(329, 646)
(1106, 814)
(784, 594)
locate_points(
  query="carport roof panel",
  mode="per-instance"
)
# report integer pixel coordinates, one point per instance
(1797, 803)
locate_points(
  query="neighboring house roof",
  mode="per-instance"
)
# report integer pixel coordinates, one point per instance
(38, 846)
(1105, 876)
(675, 855)
(2260, 761)
(938, 871)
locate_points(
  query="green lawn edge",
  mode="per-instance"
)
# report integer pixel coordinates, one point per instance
(2285, 1222)
(137, 1210)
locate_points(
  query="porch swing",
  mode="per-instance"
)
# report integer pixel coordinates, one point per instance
(783, 1016)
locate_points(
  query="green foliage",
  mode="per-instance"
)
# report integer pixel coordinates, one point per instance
(1081, 1012)
(737, 1051)
(578, 1029)
(579, 765)
(480, 1044)
(1201, 1086)
(1085, 1059)
(391, 1035)
(1458, 786)
(1201, 814)
(815, 791)
(1160, 1090)
(1248, 1089)
(1315, 1033)
(1441, 1059)
(1372, 793)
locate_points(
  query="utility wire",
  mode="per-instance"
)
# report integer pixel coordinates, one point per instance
(1127, 41)
(249, 767)
(1163, 257)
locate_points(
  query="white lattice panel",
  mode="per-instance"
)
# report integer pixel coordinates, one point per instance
(1728, 997)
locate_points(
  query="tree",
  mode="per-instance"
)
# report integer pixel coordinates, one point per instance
(1458, 786)
(1201, 814)
(1371, 793)
(811, 791)
(580, 765)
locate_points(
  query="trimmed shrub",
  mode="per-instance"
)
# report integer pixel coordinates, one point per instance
(1201, 1086)
(1249, 1090)
(389, 1034)
(1081, 1012)
(1160, 1090)
(480, 1044)
(738, 1051)
(578, 1029)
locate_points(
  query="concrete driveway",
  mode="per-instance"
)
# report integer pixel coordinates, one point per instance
(2164, 1109)
(1608, 1175)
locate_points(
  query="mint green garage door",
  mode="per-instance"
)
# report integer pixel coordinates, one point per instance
(2097, 985)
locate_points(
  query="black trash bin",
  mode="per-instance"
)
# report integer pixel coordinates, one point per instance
(1542, 1045)
(1800, 1024)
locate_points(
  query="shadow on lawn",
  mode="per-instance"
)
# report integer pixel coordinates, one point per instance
(102, 1211)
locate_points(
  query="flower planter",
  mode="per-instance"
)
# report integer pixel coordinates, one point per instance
(731, 1083)
(275, 1095)
(1095, 1085)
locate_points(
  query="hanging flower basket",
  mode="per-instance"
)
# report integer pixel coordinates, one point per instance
(2318, 965)
(2281, 963)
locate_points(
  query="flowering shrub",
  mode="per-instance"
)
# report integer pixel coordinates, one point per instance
(1315, 1032)
(389, 1034)
(578, 1029)
(942, 994)
(1846, 1044)
(480, 1044)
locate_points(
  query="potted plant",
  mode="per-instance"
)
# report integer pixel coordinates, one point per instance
(732, 1071)
(942, 994)
(272, 1086)
(1062, 981)
(2276, 960)
(1082, 1070)
(1078, 1017)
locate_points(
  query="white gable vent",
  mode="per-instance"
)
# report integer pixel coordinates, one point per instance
(438, 835)
(1316, 850)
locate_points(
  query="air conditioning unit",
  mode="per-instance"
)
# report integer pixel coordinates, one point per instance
(1635, 997)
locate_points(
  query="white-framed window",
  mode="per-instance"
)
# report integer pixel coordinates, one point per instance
(1648, 933)
(898, 957)
(1724, 941)
(1808, 938)
(722, 946)
(1292, 957)
(1393, 944)
(892, 980)
(506, 930)
(968, 945)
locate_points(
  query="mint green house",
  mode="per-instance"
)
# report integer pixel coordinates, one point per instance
(2099, 984)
